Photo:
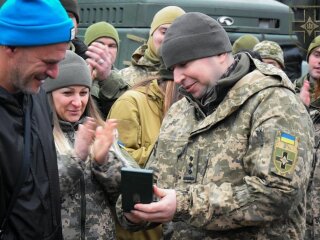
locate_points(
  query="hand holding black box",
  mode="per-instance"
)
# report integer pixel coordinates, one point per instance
(136, 187)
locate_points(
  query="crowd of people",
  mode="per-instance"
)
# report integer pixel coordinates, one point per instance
(232, 141)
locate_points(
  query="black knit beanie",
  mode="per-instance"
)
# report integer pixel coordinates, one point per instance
(192, 36)
(72, 7)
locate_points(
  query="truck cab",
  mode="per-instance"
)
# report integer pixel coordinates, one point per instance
(265, 19)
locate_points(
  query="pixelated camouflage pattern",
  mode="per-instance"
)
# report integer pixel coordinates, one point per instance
(141, 68)
(221, 165)
(270, 49)
(106, 92)
(313, 201)
(95, 186)
(111, 88)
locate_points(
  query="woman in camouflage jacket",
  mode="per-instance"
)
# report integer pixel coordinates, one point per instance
(89, 183)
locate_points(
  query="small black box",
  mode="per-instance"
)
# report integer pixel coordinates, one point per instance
(136, 187)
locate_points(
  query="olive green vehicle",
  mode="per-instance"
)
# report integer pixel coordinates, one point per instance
(266, 19)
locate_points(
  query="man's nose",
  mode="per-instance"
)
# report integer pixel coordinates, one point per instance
(178, 75)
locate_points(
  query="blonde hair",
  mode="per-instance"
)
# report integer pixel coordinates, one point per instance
(63, 145)
(168, 89)
(171, 94)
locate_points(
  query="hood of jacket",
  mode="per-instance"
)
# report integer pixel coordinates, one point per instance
(249, 77)
(153, 91)
(139, 58)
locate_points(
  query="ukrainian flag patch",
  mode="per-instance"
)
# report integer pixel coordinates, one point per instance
(287, 138)
(285, 155)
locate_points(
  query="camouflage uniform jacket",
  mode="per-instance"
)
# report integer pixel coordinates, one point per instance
(242, 171)
(88, 192)
(141, 68)
(106, 92)
(313, 204)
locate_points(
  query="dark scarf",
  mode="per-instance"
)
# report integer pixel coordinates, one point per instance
(69, 129)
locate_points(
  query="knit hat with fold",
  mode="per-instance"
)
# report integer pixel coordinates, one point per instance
(165, 16)
(192, 36)
(34, 23)
(245, 42)
(73, 71)
(314, 44)
(98, 30)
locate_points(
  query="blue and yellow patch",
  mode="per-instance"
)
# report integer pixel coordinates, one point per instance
(287, 138)
(284, 155)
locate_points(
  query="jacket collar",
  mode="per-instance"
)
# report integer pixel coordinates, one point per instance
(244, 88)
(70, 127)
(139, 58)
(216, 94)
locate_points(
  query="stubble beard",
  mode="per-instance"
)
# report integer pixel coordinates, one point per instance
(21, 84)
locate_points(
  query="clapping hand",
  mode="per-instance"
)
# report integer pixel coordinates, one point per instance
(304, 93)
(104, 137)
(99, 61)
(84, 138)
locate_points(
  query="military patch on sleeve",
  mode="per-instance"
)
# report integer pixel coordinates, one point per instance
(284, 157)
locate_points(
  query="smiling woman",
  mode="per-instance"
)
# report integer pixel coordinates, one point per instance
(70, 102)
(85, 202)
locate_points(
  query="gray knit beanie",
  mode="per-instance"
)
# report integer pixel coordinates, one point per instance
(73, 70)
(192, 36)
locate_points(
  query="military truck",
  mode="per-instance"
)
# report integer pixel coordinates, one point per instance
(266, 19)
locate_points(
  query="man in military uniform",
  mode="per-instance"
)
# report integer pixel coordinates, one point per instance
(233, 157)
(103, 43)
(145, 61)
(270, 53)
(309, 89)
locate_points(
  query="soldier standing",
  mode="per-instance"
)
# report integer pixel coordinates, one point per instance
(309, 88)
(271, 53)
(145, 61)
(233, 157)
